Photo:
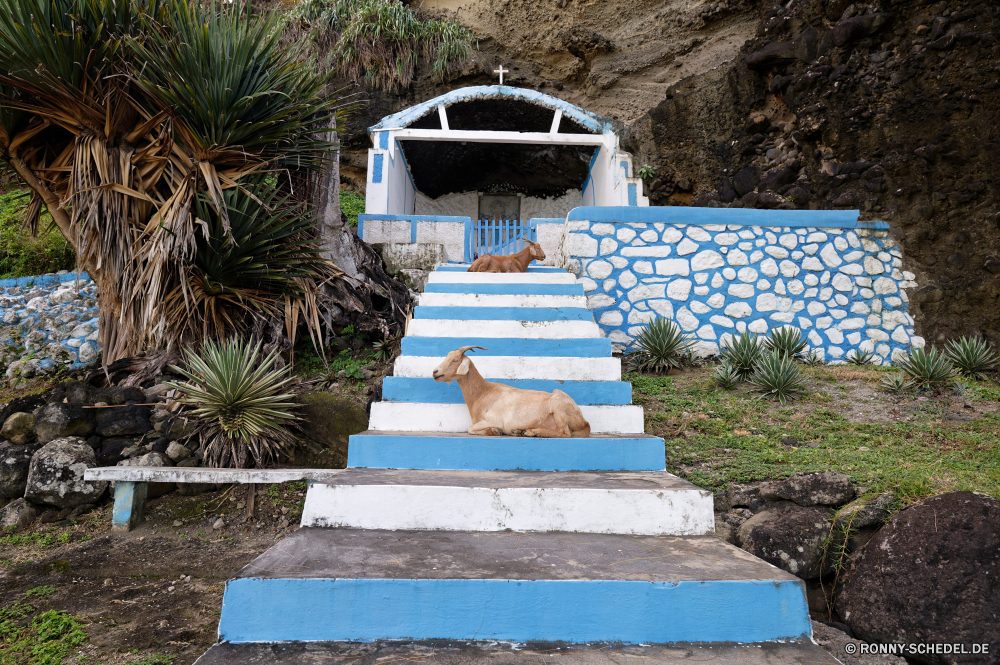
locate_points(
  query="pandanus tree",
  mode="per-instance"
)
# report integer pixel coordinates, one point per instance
(175, 146)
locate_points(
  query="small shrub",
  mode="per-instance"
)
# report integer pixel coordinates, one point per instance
(646, 172)
(778, 377)
(743, 353)
(352, 204)
(787, 340)
(971, 356)
(725, 376)
(661, 347)
(896, 383)
(859, 357)
(928, 369)
(239, 399)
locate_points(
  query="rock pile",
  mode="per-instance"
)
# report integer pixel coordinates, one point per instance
(49, 441)
(49, 322)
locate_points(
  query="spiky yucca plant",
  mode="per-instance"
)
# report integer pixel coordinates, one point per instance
(859, 357)
(787, 340)
(661, 346)
(725, 376)
(743, 354)
(896, 383)
(778, 376)
(241, 402)
(813, 359)
(971, 356)
(928, 369)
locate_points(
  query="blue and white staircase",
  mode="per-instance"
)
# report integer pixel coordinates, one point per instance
(432, 534)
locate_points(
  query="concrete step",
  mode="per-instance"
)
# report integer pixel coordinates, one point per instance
(642, 503)
(465, 452)
(523, 329)
(551, 368)
(527, 314)
(516, 289)
(587, 347)
(456, 652)
(497, 300)
(429, 417)
(355, 585)
(448, 277)
(417, 389)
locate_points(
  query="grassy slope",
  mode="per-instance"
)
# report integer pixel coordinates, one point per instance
(22, 255)
(914, 446)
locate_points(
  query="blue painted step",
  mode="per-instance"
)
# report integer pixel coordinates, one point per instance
(465, 452)
(358, 585)
(515, 289)
(427, 390)
(504, 313)
(596, 347)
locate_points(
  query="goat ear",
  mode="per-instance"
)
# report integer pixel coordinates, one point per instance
(463, 369)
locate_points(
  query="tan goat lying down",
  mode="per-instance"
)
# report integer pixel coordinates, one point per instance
(510, 263)
(498, 409)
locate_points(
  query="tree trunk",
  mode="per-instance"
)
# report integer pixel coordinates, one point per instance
(372, 300)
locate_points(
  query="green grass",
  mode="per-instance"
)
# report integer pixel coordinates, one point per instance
(30, 635)
(20, 254)
(352, 204)
(715, 438)
(36, 539)
(154, 659)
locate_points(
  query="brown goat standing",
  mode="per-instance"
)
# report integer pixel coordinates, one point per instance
(510, 263)
(499, 409)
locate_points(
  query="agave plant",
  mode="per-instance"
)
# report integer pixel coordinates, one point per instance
(813, 359)
(725, 376)
(661, 346)
(778, 376)
(859, 357)
(896, 383)
(139, 126)
(971, 356)
(928, 369)
(787, 340)
(241, 402)
(743, 353)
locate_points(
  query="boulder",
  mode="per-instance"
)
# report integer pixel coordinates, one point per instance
(865, 513)
(857, 27)
(59, 420)
(931, 575)
(112, 451)
(177, 452)
(123, 421)
(19, 428)
(819, 488)
(18, 514)
(14, 464)
(56, 474)
(791, 537)
(745, 180)
(27, 404)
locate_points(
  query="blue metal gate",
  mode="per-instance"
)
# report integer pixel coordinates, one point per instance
(498, 237)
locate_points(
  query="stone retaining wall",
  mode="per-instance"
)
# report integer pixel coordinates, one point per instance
(49, 321)
(723, 271)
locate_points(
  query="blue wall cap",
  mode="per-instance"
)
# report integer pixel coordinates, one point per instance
(840, 219)
(407, 117)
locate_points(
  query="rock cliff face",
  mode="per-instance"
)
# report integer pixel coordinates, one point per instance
(888, 106)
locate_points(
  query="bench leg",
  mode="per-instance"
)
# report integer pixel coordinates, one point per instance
(130, 505)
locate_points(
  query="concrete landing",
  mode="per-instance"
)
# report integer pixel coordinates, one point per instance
(348, 584)
(645, 503)
(801, 652)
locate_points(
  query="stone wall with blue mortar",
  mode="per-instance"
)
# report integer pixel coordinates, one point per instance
(841, 283)
(49, 321)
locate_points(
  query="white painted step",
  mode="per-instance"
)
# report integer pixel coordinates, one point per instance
(427, 417)
(525, 329)
(639, 503)
(521, 367)
(498, 300)
(443, 277)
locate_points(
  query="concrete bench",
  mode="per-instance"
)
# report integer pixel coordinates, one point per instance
(131, 483)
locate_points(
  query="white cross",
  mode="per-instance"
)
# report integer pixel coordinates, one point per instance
(501, 72)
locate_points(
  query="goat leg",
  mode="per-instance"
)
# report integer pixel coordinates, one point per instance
(482, 428)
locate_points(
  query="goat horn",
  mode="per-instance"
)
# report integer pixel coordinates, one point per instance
(466, 348)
